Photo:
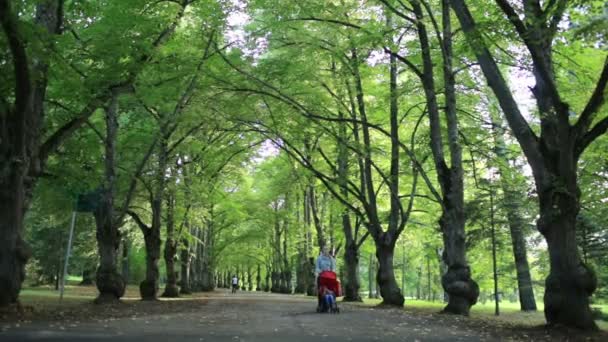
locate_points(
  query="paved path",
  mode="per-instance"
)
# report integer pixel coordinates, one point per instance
(252, 317)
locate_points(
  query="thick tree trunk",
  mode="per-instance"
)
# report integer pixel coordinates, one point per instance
(87, 277)
(171, 288)
(462, 290)
(570, 282)
(185, 268)
(110, 283)
(207, 283)
(20, 136)
(148, 288)
(389, 290)
(14, 252)
(351, 279)
(553, 158)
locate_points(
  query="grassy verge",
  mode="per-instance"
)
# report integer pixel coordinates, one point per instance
(509, 312)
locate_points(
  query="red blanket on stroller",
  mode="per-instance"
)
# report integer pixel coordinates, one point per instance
(330, 280)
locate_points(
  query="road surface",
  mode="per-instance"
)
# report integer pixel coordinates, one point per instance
(253, 316)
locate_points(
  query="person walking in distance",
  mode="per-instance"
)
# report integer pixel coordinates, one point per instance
(235, 283)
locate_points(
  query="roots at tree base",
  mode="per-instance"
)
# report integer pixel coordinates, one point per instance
(567, 298)
(111, 286)
(171, 291)
(462, 290)
(148, 290)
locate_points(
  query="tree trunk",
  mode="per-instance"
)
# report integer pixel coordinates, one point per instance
(313, 204)
(126, 247)
(516, 222)
(258, 279)
(110, 283)
(570, 282)
(553, 158)
(249, 279)
(351, 279)
(87, 277)
(524, 279)
(148, 288)
(171, 288)
(370, 277)
(14, 252)
(419, 283)
(300, 273)
(309, 271)
(20, 136)
(185, 267)
(428, 277)
(389, 290)
(462, 290)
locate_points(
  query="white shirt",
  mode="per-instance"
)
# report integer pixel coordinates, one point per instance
(235, 281)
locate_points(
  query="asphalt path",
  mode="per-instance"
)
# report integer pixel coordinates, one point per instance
(251, 316)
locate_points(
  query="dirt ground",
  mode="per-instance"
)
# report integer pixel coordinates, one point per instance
(253, 316)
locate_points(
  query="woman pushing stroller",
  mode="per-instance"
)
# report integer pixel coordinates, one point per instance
(328, 286)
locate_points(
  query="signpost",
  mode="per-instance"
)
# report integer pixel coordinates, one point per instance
(85, 203)
(67, 256)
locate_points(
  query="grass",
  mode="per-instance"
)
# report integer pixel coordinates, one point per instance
(510, 313)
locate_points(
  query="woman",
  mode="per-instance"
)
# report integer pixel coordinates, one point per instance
(325, 262)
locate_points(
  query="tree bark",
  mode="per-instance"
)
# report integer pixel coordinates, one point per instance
(516, 222)
(570, 282)
(457, 282)
(110, 283)
(20, 136)
(351, 279)
(553, 157)
(185, 259)
(389, 289)
(249, 279)
(148, 288)
(171, 288)
(258, 279)
(126, 247)
(87, 277)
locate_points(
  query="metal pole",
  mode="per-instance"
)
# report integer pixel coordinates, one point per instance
(67, 256)
(492, 223)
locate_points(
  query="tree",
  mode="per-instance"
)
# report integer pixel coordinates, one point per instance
(554, 154)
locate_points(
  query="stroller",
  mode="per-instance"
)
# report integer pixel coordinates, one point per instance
(328, 290)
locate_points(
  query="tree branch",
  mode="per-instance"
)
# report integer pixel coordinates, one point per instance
(599, 129)
(144, 228)
(23, 86)
(596, 100)
(54, 141)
